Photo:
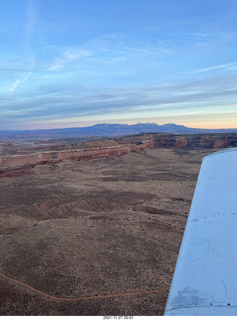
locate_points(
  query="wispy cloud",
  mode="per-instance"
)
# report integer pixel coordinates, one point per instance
(227, 66)
(25, 68)
(69, 55)
(17, 82)
(31, 20)
(14, 86)
(58, 64)
(73, 101)
(74, 54)
(29, 31)
(47, 76)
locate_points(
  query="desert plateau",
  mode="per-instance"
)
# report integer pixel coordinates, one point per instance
(94, 227)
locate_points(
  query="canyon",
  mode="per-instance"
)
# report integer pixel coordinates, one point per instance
(94, 227)
(16, 160)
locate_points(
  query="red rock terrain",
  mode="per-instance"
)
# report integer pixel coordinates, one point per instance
(99, 236)
(18, 164)
(24, 159)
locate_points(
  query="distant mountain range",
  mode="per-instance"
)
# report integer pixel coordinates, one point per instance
(106, 130)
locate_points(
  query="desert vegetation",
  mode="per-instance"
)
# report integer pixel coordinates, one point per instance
(96, 235)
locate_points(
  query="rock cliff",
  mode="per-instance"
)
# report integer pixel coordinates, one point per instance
(24, 159)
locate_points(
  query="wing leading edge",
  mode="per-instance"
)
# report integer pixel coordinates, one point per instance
(205, 277)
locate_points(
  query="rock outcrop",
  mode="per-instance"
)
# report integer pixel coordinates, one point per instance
(212, 141)
(18, 164)
(23, 160)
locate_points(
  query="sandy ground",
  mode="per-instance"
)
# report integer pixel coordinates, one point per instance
(95, 237)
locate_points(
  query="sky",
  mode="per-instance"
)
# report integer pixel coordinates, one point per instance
(75, 63)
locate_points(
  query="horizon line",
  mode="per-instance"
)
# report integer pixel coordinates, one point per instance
(116, 123)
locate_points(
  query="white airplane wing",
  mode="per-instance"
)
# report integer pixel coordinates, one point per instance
(205, 277)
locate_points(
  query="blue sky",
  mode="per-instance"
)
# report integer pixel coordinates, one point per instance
(68, 63)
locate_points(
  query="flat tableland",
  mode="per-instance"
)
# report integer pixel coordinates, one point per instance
(95, 237)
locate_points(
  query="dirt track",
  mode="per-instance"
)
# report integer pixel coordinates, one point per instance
(112, 295)
(95, 237)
